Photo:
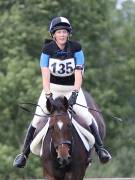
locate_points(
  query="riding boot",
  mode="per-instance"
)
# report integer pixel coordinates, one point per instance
(103, 154)
(21, 159)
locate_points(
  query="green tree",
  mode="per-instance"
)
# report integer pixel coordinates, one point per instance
(107, 37)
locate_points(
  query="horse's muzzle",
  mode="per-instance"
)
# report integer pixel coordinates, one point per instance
(63, 162)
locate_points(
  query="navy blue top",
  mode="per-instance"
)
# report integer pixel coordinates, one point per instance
(62, 63)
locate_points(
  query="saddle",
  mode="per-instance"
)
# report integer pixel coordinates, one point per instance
(43, 134)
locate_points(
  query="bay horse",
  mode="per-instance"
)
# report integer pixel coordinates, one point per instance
(64, 156)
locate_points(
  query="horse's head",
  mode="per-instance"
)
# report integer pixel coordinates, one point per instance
(60, 124)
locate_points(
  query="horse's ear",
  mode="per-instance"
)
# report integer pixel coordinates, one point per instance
(49, 106)
(65, 102)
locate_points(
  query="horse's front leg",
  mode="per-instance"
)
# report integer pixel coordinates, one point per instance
(47, 173)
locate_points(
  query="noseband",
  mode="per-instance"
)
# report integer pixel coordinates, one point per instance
(63, 142)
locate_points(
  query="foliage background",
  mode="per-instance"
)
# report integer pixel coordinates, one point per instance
(107, 36)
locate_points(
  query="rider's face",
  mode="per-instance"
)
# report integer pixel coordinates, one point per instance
(61, 36)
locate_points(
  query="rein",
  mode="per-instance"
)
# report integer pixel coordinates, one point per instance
(36, 105)
(70, 110)
(114, 117)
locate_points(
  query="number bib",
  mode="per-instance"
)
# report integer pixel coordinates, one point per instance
(62, 68)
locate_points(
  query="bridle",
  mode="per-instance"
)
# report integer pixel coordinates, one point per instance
(68, 142)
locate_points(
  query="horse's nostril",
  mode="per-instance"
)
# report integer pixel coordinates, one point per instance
(64, 161)
(69, 158)
(60, 160)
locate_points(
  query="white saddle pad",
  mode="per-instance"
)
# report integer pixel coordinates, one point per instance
(36, 145)
(86, 137)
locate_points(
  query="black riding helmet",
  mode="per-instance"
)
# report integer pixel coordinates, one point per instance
(59, 23)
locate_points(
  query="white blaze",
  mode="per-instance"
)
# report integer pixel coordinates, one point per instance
(60, 124)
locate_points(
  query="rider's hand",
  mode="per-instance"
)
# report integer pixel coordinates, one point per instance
(50, 97)
(72, 99)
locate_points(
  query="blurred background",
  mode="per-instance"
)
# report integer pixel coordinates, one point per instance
(106, 31)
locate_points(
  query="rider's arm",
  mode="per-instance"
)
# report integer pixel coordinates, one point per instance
(44, 61)
(78, 79)
(46, 79)
(79, 57)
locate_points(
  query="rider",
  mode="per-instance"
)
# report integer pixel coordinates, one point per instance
(62, 64)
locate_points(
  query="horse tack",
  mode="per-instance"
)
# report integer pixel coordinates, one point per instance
(47, 148)
(79, 155)
(78, 164)
(41, 124)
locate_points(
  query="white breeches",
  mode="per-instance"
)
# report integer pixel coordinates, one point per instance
(60, 90)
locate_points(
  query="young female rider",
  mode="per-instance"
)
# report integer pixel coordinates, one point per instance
(62, 63)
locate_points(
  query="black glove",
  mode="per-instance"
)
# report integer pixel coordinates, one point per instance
(50, 97)
(72, 99)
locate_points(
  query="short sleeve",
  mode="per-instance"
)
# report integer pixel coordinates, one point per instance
(79, 59)
(44, 60)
